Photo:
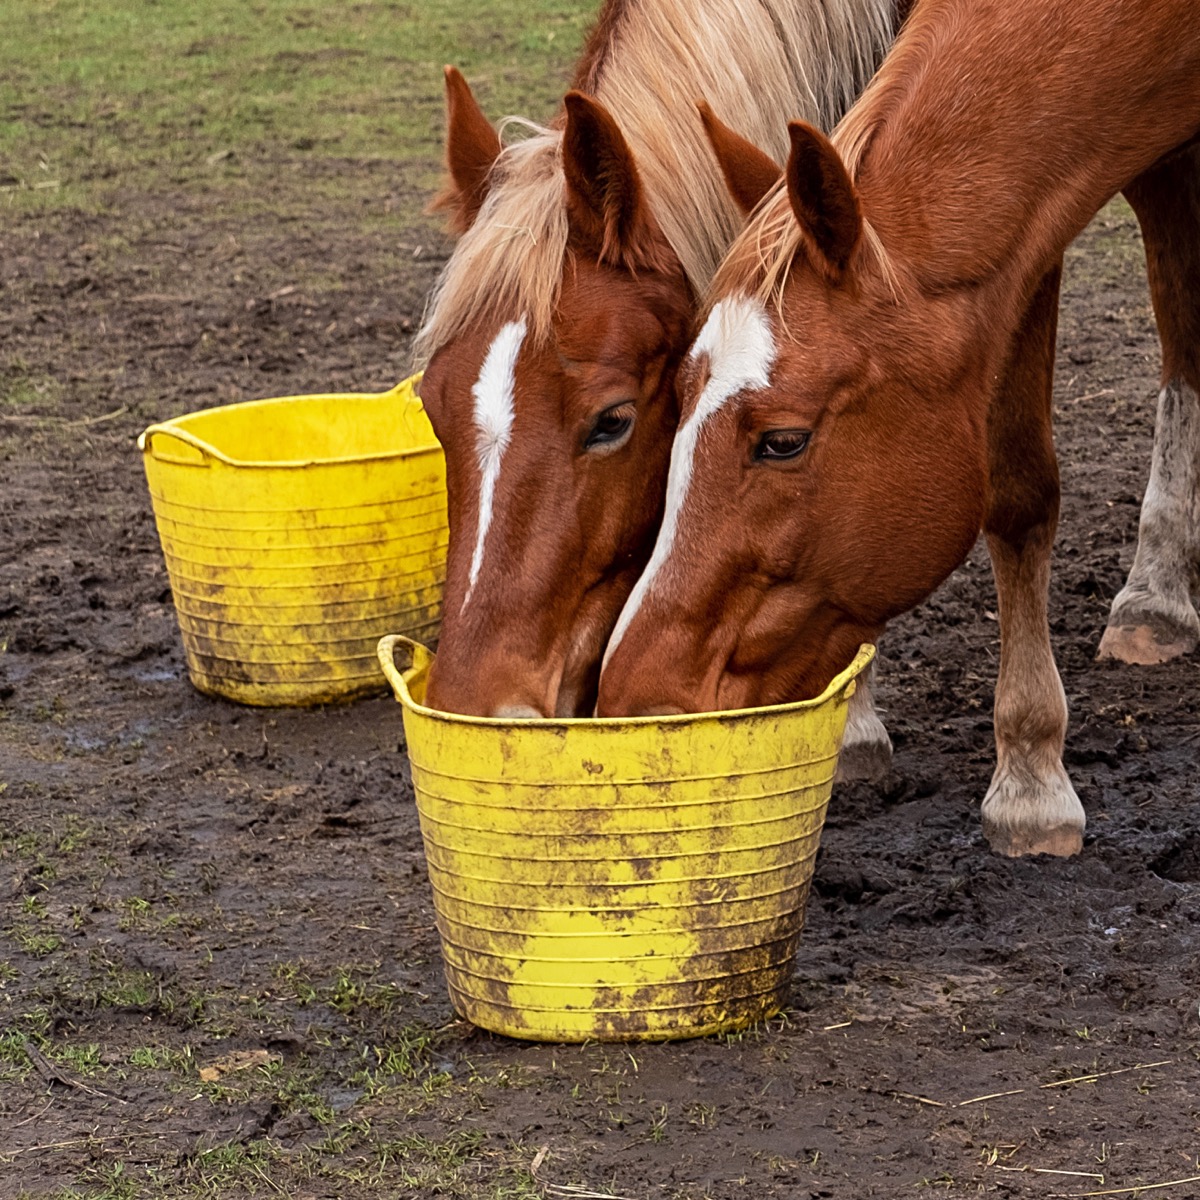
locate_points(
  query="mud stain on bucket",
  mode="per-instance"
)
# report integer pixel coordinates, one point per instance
(624, 879)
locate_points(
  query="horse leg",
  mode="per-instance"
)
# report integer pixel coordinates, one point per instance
(1030, 807)
(866, 748)
(1153, 618)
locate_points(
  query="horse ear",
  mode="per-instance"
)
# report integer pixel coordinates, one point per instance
(824, 200)
(472, 146)
(749, 172)
(604, 191)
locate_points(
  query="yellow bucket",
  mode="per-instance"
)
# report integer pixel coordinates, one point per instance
(620, 879)
(297, 532)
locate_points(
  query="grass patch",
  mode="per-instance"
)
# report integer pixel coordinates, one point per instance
(25, 393)
(350, 992)
(186, 90)
(162, 1058)
(65, 839)
(352, 1159)
(34, 942)
(81, 1060)
(103, 1183)
(125, 987)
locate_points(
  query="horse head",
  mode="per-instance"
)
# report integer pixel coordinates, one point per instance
(556, 413)
(822, 480)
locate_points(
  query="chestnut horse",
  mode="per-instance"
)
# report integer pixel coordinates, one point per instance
(555, 331)
(872, 384)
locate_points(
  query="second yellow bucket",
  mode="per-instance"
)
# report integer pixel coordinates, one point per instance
(620, 879)
(297, 531)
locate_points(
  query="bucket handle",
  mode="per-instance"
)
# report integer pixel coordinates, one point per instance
(412, 383)
(845, 684)
(407, 390)
(419, 657)
(146, 442)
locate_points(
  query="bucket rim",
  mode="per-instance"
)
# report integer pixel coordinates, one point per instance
(842, 685)
(176, 427)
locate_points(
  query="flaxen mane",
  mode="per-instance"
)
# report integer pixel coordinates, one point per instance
(762, 255)
(757, 62)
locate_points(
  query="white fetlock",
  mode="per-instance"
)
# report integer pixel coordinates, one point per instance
(1153, 618)
(1024, 813)
(866, 747)
(1146, 629)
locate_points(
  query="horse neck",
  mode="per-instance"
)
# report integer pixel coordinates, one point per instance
(997, 129)
(755, 63)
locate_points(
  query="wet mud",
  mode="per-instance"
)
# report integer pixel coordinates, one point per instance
(181, 878)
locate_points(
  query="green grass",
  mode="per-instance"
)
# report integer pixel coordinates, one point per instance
(176, 92)
(457, 1167)
(21, 392)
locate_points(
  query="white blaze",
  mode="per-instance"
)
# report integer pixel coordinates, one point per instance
(493, 395)
(741, 352)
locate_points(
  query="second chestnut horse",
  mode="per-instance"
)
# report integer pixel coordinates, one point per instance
(872, 385)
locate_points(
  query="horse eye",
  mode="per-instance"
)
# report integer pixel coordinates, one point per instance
(611, 425)
(777, 444)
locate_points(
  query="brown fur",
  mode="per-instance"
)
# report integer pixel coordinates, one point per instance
(990, 136)
(472, 148)
(823, 200)
(749, 173)
(604, 195)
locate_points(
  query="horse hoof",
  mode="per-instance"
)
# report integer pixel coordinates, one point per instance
(1033, 810)
(1063, 842)
(867, 761)
(1145, 645)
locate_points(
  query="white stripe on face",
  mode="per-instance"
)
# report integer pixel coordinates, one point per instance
(741, 352)
(493, 395)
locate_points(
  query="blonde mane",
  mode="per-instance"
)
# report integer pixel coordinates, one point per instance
(757, 62)
(761, 257)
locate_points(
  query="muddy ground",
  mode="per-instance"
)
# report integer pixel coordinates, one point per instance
(190, 886)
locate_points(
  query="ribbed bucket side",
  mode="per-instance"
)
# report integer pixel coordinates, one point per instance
(285, 576)
(686, 922)
(623, 880)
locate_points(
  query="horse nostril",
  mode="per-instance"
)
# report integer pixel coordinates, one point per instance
(517, 712)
